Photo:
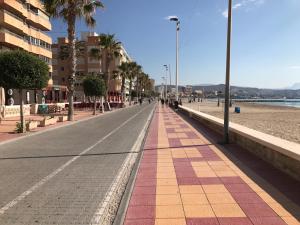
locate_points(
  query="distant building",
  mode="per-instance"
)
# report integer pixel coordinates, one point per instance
(22, 26)
(86, 65)
(152, 81)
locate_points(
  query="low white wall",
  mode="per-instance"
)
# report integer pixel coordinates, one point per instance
(14, 110)
(283, 154)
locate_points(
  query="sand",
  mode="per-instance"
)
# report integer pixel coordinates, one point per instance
(279, 121)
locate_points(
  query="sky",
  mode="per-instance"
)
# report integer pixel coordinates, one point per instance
(265, 39)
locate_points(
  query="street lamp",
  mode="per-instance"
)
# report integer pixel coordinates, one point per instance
(164, 81)
(166, 67)
(227, 83)
(175, 19)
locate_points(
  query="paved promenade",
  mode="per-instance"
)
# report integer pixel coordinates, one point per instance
(185, 178)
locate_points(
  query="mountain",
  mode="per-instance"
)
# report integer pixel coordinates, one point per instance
(295, 86)
(244, 92)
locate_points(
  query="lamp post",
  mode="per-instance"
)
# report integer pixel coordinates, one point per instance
(166, 67)
(227, 83)
(175, 19)
(165, 87)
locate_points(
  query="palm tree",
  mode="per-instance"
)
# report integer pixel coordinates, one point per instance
(69, 11)
(123, 73)
(109, 49)
(134, 69)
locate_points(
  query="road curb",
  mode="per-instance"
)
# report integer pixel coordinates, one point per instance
(109, 206)
(29, 134)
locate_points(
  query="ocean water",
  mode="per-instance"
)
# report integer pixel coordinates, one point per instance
(288, 103)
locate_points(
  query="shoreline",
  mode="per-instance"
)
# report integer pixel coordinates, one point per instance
(279, 121)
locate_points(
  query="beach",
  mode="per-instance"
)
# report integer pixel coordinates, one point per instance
(279, 121)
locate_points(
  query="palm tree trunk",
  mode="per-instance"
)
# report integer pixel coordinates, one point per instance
(123, 89)
(95, 105)
(130, 90)
(107, 81)
(22, 118)
(71, 38)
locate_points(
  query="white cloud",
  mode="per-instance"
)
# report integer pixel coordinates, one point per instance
(294, 67)
(243, 3)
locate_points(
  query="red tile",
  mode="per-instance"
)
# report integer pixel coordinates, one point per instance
(267, 221)
(247, 198)
(145, 182)
(142, 200)
(234, 221)
(257, 210)
(232, 180)
(238, 188)
(209, 180)
(187, 181)
(140, 212)
(140, 222)
(150, 190)
(202, 221)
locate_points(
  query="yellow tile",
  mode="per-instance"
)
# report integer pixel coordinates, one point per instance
(168, 160)
(290, 220)
(167, 190)
(228, 210)
(194, 199)
(172, 135)
(220, 198)
(198, 211)
(286, 209)
(191, 189)
(169, 211)
(170, 221)
(165, 169)
(219, 163)
(168, 199)
(220, 168)
(205, 174)
(181, 135)
(166, 182)
(165, 175)
(163, 164)
(200, 164)
(215, 188)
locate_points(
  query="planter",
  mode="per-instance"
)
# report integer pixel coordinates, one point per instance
(62, 118)
(31, 125)
(47, 122)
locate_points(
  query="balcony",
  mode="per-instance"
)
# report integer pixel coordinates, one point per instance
(7, 19)
(40, 51)
(39, 35)
(15, 5)
(13, 40)
(39, 21)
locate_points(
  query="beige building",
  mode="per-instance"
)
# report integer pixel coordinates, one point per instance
(85, 65)
(23, 24)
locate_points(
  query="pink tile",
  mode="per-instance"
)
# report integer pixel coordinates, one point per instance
(234, 221)
(267, 221)
(257, 210)
(202, 221)
(187, 181)
(142, 200)
(145, 182)
(150, 190)
(247, 198)
(232, 180)
(140, 222)
(209, 180)
(140, 212)
(233, 188)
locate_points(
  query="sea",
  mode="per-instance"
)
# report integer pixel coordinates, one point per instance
(287, 103)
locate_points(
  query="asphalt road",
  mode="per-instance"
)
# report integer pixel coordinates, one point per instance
(61, 176)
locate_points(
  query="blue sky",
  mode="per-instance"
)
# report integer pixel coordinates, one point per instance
(265, 41)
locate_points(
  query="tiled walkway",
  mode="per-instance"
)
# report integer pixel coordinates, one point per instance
(185, 178)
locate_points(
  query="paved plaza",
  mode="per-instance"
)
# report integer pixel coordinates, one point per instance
(186, 178)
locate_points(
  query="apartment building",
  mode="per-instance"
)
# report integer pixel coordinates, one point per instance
(23, 24)
(85, 65)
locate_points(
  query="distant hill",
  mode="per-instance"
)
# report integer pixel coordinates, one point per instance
(245, 92)
(295, 86)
